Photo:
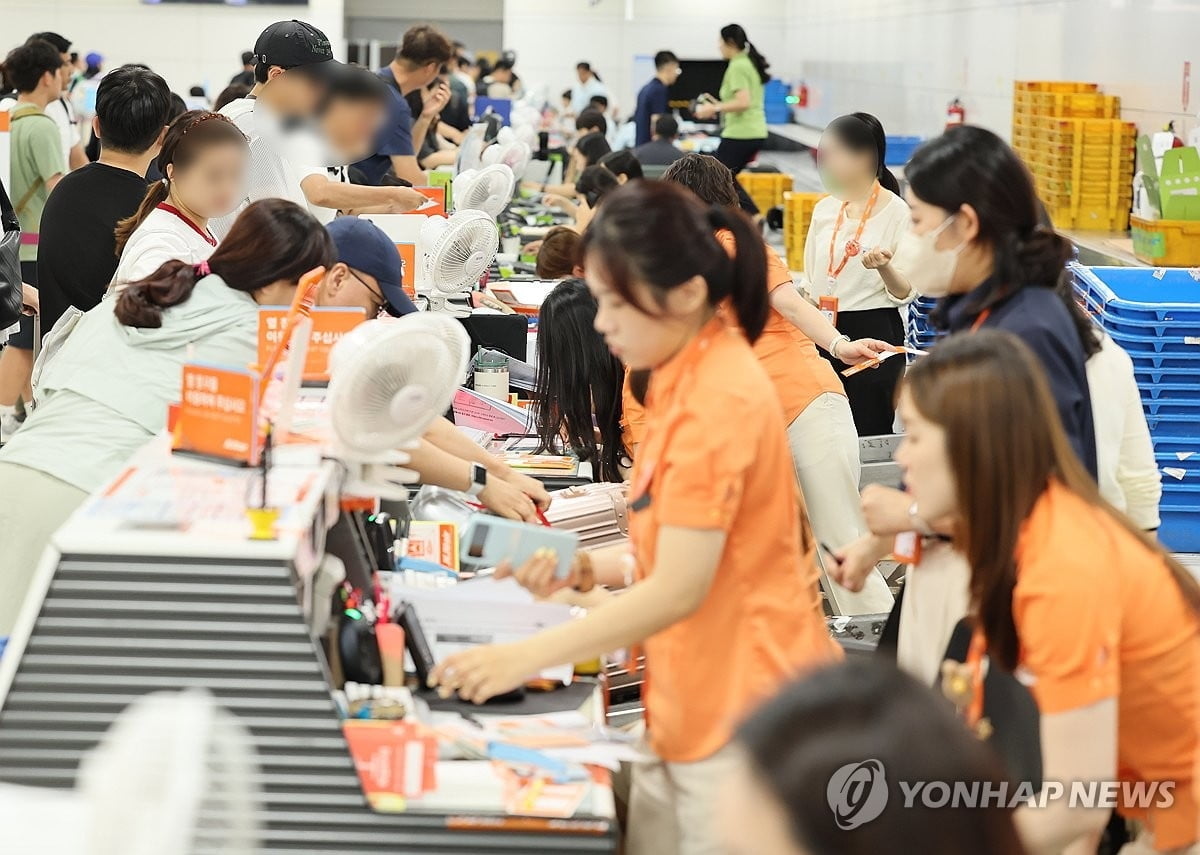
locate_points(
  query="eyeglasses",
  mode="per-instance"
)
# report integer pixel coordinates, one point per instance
(377, 295)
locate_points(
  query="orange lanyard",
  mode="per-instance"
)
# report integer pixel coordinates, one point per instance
(853, 246)
(981, 320)
(975, 663)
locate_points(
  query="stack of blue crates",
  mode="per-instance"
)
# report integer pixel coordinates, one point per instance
(1155, 316)
(775, 102)
(921, 332)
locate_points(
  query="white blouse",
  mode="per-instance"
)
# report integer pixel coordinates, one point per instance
(856, 288)
(162, 236)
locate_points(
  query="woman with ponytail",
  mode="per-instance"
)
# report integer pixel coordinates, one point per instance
(203, 163)
(106, 391)
(848, 264)
(720, 577)
(743, 117)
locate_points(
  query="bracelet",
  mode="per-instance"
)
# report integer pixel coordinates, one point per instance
(919, 525)
(833, 344)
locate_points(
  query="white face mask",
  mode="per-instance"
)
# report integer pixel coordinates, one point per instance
(929, 270)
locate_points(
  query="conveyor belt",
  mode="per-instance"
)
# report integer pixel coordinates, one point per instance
(112, 629)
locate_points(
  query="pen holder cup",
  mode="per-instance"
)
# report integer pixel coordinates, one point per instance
(262, 523)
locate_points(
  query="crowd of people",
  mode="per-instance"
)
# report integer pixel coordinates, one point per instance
(680, 356)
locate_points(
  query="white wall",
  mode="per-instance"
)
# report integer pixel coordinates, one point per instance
(551, 36)
(187, 44)
(904, 60)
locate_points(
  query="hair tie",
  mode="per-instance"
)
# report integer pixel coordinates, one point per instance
(202, 269)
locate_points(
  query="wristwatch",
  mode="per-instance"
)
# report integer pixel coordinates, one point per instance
(919, 525)
(479, 476)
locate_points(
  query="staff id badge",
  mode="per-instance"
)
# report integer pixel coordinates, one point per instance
(907, 548)
(828, 304)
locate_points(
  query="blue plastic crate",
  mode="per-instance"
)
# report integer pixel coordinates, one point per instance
(1169, 391)
(1172, 426)
(1145, 361)
(900, 150)
(1180, 529)
(1173, 407)
(1179, 345)
(1142, 293)
(1147, 377)
(1128, 326)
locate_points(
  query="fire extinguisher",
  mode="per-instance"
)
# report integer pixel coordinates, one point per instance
(956, 114)
(802, 95)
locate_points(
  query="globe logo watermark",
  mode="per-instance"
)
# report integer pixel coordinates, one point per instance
(857, 793)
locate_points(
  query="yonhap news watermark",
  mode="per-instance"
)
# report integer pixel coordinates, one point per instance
(860, 792)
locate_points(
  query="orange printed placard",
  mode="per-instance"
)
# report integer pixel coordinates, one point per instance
(217, 416)
(408, 255)
(329, 325)
(438, 195)
(395, 761)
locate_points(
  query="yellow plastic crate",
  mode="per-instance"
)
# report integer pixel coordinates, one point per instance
(1054, 86)
(1166, 243)
(765, 188)
(1079, 105)
(1103, 218)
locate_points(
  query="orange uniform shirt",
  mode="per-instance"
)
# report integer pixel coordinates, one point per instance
(790, 358)
(701, 466)
(633, 416)
(1099, 616)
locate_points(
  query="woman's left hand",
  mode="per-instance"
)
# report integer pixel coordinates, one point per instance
(531, 487)
(704, 111)
(861, 350)
(874, 259)
(482, 672)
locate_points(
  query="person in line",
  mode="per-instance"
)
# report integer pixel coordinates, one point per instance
(848, 268)
(1119, 696)
(178, 108)
(232, 92)
(61, 109)
(589, 86)
(820, 425)
(355, 109)
(36, 165)
(977, 245)
(653, 101)
(292, 72)
(77, 255)
(740, 105)
(501, 80)
(203, 161)
(197, 99)
(579, 385)
(725, 581)
(423, 52)
(106, 391)
(245, 77)
(661, 151)
(623, 164)
(1127, 471)
(440, 145)
(367, 275)
(790, 749)
(558, 256)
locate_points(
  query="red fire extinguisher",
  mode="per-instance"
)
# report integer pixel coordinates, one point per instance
(802, 95)
(956, 114)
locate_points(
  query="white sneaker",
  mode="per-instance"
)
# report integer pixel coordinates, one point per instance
(9, 425)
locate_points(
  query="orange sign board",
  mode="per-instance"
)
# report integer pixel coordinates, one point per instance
(328, 327)
(217, 416)
(438, 195)
(408, 256)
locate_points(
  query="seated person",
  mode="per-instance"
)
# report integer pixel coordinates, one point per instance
(593, 185)
(623, 164)
(559, 254)
(661, 151)
(587, 152)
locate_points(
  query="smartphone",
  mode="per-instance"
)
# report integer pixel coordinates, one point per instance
(490, 540)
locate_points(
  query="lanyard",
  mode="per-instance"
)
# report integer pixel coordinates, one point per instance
(981, 320)
(853, 246)
(975, 654)
(171, 209)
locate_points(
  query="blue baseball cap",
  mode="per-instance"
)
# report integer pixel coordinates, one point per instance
(363, 246)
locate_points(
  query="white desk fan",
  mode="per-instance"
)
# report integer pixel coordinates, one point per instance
(471, 149)
(514, 154)
(456, 252)
(389, 379)
(489, 189)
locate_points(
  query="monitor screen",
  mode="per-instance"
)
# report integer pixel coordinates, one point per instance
(698, 76)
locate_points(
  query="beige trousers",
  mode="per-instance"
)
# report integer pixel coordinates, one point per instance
(672, 805)
(34, 507)
(825, 455)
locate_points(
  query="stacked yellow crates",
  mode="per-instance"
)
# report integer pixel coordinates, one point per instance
(765, 188)
(1080, 152)
(797, 216)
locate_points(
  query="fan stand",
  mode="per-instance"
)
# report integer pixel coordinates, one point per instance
(450, 304)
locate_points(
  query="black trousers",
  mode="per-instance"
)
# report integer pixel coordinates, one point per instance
(737, 154)
(872, 393)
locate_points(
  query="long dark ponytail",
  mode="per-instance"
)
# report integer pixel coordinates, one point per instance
(733, 34)
(188, 136)
(578, 379)
(660, 234)
(862, 132)
(272, 240)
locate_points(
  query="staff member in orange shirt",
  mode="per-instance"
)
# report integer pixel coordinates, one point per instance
(1099, 622)
(726, 596)
(821, 432)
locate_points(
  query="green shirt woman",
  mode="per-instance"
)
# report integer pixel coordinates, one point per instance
(744, 122)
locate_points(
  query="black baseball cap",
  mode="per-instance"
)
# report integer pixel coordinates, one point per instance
(361, 245)
(295, 44)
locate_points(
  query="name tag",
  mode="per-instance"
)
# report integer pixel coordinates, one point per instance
(828, 304)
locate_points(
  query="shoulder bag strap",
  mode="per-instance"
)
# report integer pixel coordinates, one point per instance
(17, 115)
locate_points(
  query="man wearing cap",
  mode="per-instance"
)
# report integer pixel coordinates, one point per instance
(293, 67)
(369, 275)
